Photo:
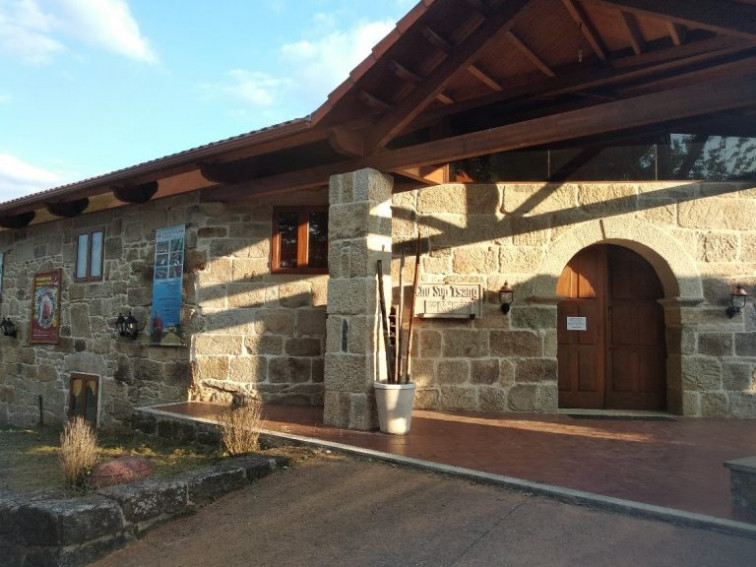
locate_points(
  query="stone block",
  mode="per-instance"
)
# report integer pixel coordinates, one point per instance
(717, 213)
(258, 345)
(465, 343)
(484, 371)
(352, 296)
(218, 344)
(430, 343)
(745, 344)
(80, 322)
(453, 371)
(66, 522)
(296, 294)
(475, 260)
(250, 369)
(248, 269)
(713, 405)
(608, 198)
(276, 321)
(311, 322)
(715, 344)
(491, 398)
(721, 247)
(205, 485)
(701, 374)
(524, 397)
(348, 220)
(303, 346)
(246, 295)
(148, 499)
(522, 259)
(742, 404)
(459, 398)
(536, 370)
(737, 377)
(514, 343)
(289, 370)
(347, 373)
(536, 318)
(336, 406)
(459, 199)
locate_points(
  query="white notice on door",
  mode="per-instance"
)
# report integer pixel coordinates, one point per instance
(577, 324)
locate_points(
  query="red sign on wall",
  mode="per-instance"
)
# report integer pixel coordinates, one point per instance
(45, 323)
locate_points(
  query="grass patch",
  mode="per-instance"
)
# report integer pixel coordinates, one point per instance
(29, 458)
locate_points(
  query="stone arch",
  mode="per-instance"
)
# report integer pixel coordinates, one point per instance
(676, 269)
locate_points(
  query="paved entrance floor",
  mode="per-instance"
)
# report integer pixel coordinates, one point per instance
(667, 461)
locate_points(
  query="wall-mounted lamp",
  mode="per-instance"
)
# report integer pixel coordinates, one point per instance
(738, 298)
(127, 326)
(9, 327)
(506, 297)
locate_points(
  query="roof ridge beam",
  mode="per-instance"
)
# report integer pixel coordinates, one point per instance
(587, 28)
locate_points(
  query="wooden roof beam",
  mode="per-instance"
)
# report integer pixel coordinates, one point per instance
(530, 54)
(67, 209)
(373, 101)
(720, 16)
(444, 98)
(437, 41)
(480, 6)
(484, 78)
(677, 32)
(461, 57)
(403, 73)
(675, 104)
(587, 28)
(636, 37)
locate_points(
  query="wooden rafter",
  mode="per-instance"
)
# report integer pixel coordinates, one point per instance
(437, 41)
(484, 78)
(587, 28)
(721, 16)
(373, 101)
(445, 98)
(634, 33)
(403, 73)
(530, 54)
(684, 102)
(677, 32)
(480, 6)
(577, 78)
(461, 57)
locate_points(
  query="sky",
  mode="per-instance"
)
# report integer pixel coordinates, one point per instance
(92, 86)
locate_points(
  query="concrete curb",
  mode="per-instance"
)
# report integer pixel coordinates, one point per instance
(561, 494)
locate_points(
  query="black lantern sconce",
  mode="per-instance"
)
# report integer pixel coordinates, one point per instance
(9, 328)
(738, 298)
(506, 297)
(127, 326)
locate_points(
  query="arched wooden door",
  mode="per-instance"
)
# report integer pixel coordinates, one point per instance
(611, 351)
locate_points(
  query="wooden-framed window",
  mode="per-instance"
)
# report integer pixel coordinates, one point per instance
(300, 240)
(83, 395)
(89, 255)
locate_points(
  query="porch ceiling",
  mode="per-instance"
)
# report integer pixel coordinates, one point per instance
(459, 78)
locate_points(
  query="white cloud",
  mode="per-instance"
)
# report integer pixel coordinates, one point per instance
(19, 178)
(253, 88)
(309, 70)
(321, 65)
(36, 30)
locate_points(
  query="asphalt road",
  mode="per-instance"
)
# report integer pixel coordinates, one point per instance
(341, 512)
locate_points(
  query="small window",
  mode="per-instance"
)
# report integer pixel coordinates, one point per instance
(89, 249)
(82, 397)
(300, 239)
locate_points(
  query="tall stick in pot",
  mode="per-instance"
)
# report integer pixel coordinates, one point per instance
(399, 323)
(390, 378)
(415, 283)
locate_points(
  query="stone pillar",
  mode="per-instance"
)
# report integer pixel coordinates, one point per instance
(359, 234)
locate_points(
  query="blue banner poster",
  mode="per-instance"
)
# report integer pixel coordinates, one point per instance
(165, 320)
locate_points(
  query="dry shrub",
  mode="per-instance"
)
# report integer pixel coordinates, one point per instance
(78, 452)
(240, 428)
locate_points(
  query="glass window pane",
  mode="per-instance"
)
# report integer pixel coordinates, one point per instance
(81, 256)
(95, 269)
(288, 224)
(317, 244)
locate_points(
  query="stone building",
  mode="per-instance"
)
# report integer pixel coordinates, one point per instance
(597, 155)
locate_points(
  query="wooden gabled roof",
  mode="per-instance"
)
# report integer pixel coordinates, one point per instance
(460, 78)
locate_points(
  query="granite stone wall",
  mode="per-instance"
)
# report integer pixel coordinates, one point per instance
(700, 238)
(248, 332)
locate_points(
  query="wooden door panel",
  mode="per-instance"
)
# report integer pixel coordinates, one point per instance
(619, 360)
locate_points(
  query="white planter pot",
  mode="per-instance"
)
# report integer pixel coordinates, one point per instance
(394, 403)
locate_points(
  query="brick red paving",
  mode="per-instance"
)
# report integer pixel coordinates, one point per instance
(675, 462)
